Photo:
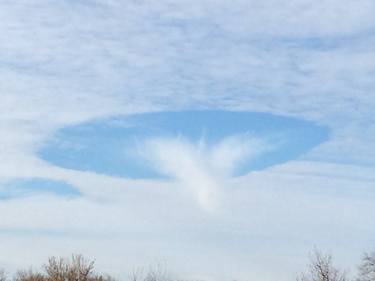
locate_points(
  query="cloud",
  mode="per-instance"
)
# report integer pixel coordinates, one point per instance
(175, 156)
(65, 63)
(232, 151)
(199, 166)
(143, 222)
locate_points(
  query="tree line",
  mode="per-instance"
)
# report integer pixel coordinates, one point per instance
(321, 268)
(77, 268)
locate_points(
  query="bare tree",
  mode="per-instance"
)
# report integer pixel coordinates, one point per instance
(3, 276)
(157, 273)
(29, 275)
(76, 269)
(60, 269)
(322, 269)
(367, 268)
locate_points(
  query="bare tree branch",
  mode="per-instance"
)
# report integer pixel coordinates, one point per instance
(321, 269)
(367, 268)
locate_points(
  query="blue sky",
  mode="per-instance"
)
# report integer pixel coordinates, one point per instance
(218, 136)
(34, 186)
(119, 146)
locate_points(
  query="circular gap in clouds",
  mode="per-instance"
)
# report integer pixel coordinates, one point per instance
(114, 146)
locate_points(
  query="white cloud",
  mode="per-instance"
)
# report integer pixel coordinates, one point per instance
(232, 151)
(67, 62)
(200, 166)
(187, 163)
(292, 207)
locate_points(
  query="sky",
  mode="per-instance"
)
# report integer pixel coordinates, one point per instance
(223, 139)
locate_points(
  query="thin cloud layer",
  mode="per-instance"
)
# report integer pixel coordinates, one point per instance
(70, 62)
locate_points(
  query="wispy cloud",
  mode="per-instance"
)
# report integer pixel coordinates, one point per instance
(202, 168)
(68, 62)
